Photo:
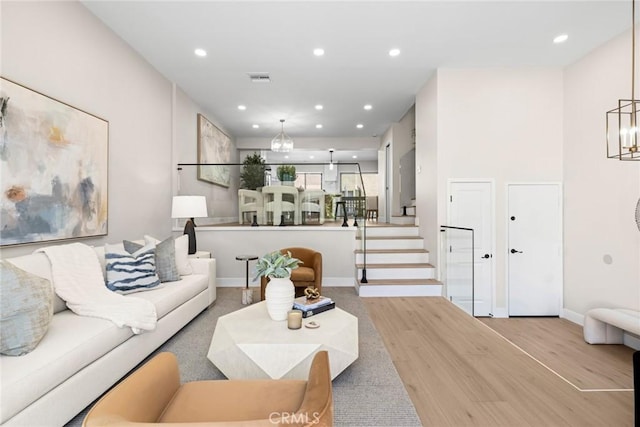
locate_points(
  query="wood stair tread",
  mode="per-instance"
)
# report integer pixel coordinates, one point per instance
(406, 265)
(388, 237)
(412, 282)
(392, 251)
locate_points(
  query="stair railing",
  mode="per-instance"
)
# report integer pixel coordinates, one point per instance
(363, 279)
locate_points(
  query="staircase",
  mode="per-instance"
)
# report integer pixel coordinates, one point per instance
(397, 263)
(409, 218)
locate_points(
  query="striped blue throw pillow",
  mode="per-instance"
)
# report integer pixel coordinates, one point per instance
(134, 272)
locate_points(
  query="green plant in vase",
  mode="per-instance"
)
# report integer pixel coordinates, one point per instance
(276, 264)
(252, 173)
(286, 173)
(279, 293)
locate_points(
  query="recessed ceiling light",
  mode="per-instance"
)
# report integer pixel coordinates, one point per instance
(368, 107)
(242, 107)
(319, 107)
(318, 52)
(255, 126)
(354, 157)
(561, 38)
(359, 125)
(200, 52)
(312, 157)
(286, 157)
(318, 126)
(394, 52)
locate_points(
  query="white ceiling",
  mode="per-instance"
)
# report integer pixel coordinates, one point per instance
(278, 37)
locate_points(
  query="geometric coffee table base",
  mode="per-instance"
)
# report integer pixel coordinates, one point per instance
(247, 344)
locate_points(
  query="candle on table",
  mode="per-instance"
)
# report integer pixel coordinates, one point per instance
(294, 319)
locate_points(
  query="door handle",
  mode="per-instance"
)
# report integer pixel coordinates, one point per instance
(513, 251)
(486, 256)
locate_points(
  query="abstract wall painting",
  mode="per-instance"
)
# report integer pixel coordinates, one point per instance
(53, 169)
(213, 147)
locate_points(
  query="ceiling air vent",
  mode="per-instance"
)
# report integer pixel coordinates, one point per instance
(260, 77)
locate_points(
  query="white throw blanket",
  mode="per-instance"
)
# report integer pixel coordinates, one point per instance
(77, 279)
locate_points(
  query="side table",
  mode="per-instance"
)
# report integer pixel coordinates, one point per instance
(247, 294)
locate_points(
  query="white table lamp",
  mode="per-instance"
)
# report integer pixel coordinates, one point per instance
(189, 207)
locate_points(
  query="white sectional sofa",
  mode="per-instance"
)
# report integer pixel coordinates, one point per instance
(81, 357)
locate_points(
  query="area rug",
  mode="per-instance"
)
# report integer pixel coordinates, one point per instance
(369, 393)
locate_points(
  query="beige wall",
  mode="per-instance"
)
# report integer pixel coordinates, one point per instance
(426, 109)
(61, 50)
(222, 202)
(600, 193)
(503, 125)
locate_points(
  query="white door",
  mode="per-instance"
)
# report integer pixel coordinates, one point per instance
(471, 206)
(534, 250)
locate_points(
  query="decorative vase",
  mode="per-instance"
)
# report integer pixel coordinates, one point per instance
(279, 295)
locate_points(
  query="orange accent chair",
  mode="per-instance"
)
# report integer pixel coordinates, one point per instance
(309, 273)
(153, 396)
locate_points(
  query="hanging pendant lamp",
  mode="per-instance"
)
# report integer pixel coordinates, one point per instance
(622, 122)
(282, 143)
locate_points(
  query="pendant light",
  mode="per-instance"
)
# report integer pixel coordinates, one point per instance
(282, 143)
(622, 122)
(331, 159)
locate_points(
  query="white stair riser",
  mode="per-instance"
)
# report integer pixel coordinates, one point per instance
(397, 273)
(404, 220)
(390, 231)
(399, 291)
(393, 258)
(392, 244)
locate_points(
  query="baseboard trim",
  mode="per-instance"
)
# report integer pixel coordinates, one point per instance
(500, 313)
(572, 316)
(631, 340)
(237, 282)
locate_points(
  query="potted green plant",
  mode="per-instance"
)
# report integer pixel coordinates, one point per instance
(252, 173)
(280, 293)
(286, 174)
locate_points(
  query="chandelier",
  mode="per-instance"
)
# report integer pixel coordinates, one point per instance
(622, 122)
(282, 143)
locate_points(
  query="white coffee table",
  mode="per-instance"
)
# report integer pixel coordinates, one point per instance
(247, 344)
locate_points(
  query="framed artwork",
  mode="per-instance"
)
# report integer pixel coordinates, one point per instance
(213, 147)
(53, 168)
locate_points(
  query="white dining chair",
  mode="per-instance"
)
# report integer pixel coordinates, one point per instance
(279, 199)
(312, 204)
(250, 201)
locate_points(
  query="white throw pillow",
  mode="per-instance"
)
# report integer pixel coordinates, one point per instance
(182, 253)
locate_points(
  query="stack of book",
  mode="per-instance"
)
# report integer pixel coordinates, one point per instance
(314, 306)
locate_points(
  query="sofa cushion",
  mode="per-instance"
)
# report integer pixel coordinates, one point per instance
(26, 308)
(39, 264)
(71, 343)
(181, 253)
(174, 294)
(134, 272)
(165, 259)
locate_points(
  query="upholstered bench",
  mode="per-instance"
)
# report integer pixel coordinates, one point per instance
(607, 325)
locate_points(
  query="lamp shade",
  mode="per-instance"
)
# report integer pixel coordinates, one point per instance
(189, 207)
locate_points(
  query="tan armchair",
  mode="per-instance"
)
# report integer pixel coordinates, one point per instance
(309, 273)
(154, 396)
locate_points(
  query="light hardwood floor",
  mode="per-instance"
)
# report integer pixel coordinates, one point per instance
(459, 372)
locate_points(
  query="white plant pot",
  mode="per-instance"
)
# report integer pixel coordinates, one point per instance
(279, 295)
